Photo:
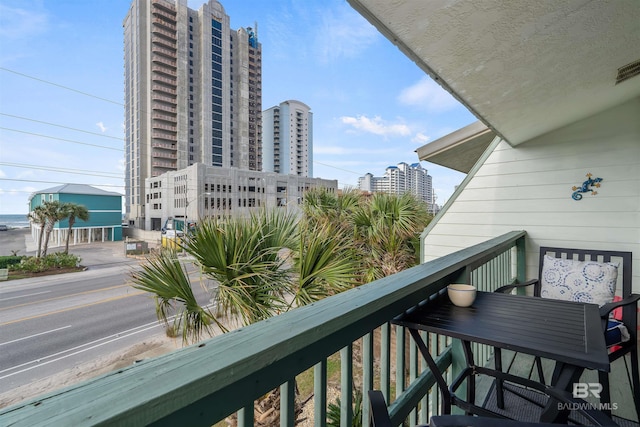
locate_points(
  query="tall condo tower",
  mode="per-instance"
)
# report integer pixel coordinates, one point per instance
(400, 179)
(287, 139)
(193, 93)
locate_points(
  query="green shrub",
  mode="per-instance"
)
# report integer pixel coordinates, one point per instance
(61, 260)
(30, 265)
(49, 262)
(7, 261)
(333, 413)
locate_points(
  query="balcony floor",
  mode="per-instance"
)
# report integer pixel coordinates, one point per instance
(523, 365)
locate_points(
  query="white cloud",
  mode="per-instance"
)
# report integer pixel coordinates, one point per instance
(16, 23)
(102, 127)
(429, 95)
(376, 126)
(420, 138)
(2, 174)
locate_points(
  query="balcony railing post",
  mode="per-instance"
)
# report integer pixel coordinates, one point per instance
(400, 363)
(320, 394)
(245, 416)
(288, 404)
(367, 374)
(346, 381)
(385, 360)
(521, 263)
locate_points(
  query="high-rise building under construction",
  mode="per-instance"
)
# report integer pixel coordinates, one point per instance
(193, 93)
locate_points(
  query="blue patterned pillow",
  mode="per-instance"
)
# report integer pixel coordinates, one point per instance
(583, 281)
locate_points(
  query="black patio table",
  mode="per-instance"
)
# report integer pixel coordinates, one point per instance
(568, 332)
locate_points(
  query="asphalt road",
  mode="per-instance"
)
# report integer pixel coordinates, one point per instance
(53, 323)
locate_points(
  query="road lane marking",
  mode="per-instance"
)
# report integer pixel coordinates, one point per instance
(64, 297)
(73, 308)
(27, 295)
(82, 350)
(35, 335)
(114, 337)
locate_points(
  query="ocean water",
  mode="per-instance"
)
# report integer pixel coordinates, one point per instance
(15, 221)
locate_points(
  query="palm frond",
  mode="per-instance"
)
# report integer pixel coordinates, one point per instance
(325, 264)
(165, 277)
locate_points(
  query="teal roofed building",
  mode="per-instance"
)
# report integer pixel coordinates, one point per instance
(105, 214)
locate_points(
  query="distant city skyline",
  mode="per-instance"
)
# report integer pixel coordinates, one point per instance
(399, 179)
(61, 92)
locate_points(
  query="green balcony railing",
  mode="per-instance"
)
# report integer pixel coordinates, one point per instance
(203, 384)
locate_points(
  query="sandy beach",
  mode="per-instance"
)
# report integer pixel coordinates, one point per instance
(14, 240)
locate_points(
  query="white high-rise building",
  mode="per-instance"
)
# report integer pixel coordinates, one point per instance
(193, 94)
(287, 139)
(401, 179)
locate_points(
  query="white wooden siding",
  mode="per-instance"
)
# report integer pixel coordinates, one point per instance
(529, 187)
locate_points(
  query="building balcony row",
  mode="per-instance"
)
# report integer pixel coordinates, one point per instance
(164, 6)
(170, 15)
(165, 145)
(164, 136)
(165, 89)
(168, 43)
(162, 60)
(160, 154)
(164, 117)
(164, 79)
(162, 69)
(157, 96)
(168, 25)
(171, 35)
(163, 107)
(156, 125)
(158, 49)
(165, 165)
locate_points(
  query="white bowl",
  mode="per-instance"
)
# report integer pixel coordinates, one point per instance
(462, 295)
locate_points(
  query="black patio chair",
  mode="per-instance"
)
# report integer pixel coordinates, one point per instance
(556, 272)
(380, 415)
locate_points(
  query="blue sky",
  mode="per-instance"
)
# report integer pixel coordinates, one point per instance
(61, 92)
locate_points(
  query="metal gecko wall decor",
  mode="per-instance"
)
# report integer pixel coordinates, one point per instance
(586, 186)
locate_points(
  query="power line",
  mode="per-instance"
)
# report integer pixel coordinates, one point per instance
(62, 86)
(62, 139)
(61, 126)
(63, 170)
(335, 167)
(106, 100)
(57, 182)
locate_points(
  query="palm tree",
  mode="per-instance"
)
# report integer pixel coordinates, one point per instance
(325, 263)
(263, 265)
(241, 255)
(73, 212)
(256, 277)
(54, 212)
(386, 230)
(38, 216)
